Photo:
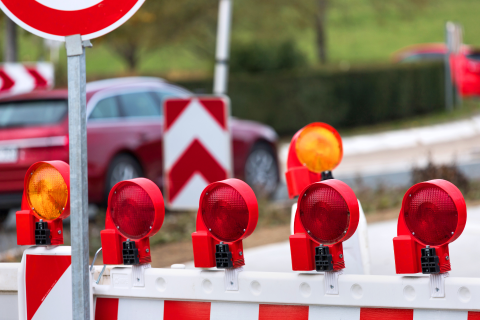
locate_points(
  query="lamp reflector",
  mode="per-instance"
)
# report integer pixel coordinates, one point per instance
(47, 192)
(132, 210)
(324, 214)
(319, 148)
(431, 215)
(225, 213)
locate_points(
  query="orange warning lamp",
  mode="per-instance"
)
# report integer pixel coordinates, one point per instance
(135, 213)
(314, 152)
(45, 203)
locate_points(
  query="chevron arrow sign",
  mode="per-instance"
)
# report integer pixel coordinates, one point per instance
(22, 78)
(196, 147)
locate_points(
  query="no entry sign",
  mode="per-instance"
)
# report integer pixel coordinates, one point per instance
(56, 19)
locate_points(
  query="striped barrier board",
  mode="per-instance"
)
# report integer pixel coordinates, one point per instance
(185, 294)
(200, 294)
(127, 309)
(16, 78)
(197, 148)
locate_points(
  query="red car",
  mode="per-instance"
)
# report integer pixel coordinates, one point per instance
(465, 66)
(124, 132)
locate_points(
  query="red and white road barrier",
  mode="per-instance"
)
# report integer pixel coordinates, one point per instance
(197, 148)
(44, 284)
(22, 78)
(127, 309)
(200, 294)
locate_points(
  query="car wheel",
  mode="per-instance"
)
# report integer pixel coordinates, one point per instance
(261, 170)
(123, 167)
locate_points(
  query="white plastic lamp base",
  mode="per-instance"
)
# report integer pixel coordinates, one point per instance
(138, 274)
(437, 284)
(331, 282)
(231, 278)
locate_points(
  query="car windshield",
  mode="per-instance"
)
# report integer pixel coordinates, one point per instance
(32, 113)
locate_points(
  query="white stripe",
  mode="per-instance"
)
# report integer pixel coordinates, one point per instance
(333, 313)
(146, 309)
(58, 301)
(423, 314)
(35, 142)
(24, 82)
(47, 71)
(189, 196)
(234, 311)
(71, 5)
(196, 123)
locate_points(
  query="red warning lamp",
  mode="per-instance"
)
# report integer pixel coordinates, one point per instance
(135, 213)
(327, 215)
(45, 203)
(315, 150)
(433, 214)
(228, 213)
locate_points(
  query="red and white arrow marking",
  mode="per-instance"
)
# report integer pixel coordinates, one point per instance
(197, 148)
(22, 78)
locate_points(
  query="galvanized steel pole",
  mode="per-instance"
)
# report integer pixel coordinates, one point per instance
(220, 85)
(77, 130)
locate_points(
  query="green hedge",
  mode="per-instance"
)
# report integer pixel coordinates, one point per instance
(288, 101)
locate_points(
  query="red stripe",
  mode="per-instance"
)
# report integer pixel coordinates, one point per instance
(195, 159)
(385, 314)
(41, 275)
(106, 309)
(186, 310)
(173, 109)
(7, 82)
(282, 312)
(40, 81)
(473, 315)
(217, 109)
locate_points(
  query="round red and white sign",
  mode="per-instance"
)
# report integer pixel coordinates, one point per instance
(55, 19)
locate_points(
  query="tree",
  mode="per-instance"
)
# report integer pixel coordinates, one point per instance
(160, 23)
(277, 18)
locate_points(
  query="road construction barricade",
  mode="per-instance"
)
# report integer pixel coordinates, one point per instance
(200, 294)
(432, 216)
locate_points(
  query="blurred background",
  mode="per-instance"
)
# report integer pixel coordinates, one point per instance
(375, 70)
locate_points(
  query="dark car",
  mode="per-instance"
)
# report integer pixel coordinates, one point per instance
(124, 132)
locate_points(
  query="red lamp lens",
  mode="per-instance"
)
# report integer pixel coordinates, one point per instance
(225, 213)
(324, 214)
(431, 215)
(132, 211)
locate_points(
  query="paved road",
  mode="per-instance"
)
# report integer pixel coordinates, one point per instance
(465, 252)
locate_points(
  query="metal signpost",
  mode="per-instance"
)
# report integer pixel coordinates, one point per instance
(453, 44)
(223, 47)
(77, 131)
(74, 22)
